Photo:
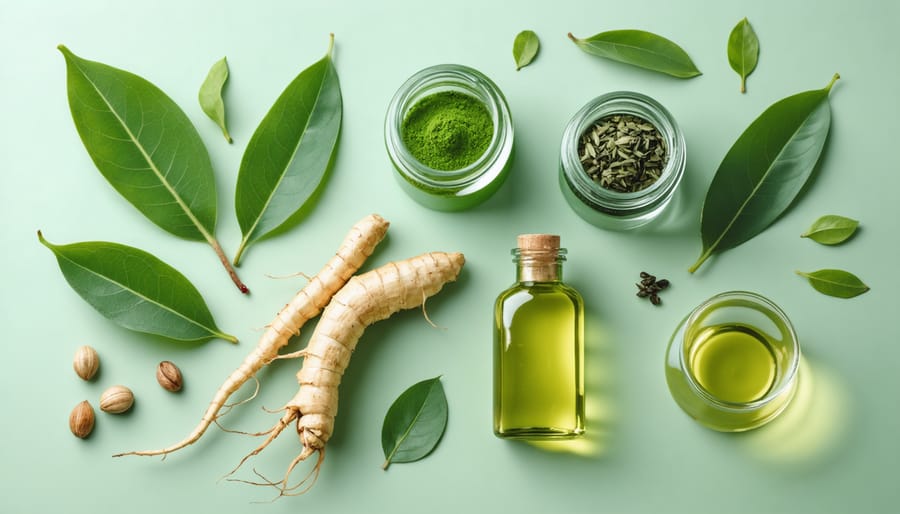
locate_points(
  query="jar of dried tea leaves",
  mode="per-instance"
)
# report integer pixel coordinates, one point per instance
(449, 134)
(621, 160)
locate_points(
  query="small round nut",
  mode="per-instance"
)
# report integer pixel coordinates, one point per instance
(169, 376)
(86, 362)
(116, 400)
(81, 420)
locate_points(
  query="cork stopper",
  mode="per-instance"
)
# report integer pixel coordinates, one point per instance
(545, 242)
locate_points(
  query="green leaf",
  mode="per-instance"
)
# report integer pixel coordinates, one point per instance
(147, 149)
(525, 48)
(764, 170)
(743, 51)
(414, 423)
(642, 49)
(290, 153)
(136, 290)
(831, 229)
(210, 95)
(835, 282)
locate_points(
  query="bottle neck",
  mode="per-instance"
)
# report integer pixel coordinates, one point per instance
(539, 265)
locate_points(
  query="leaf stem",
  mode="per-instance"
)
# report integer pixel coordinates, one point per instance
(701, 260)
(228, 267)
(330, 44)
(743, 84)
(573, 38)
(833, 80)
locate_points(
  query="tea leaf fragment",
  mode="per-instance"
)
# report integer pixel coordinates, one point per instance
(764, 171)
(639, 48)
(831, 229)
(289, 154)
(414, 423)
(525, 48)
(210, 95)
(136, 290)
(835, 282)
(743, 51)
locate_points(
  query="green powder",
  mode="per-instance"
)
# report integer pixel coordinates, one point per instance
(448, 130)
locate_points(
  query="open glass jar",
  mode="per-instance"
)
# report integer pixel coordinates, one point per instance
(605, 207)
(458, 189)
(732, 363)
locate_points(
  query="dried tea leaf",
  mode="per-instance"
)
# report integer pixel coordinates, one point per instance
(525, 48)
(210, 95)
(642, 49)
(414, 423)
(764, 171)
(136, 290)
(831, 229)
(835, 282)
(743, 51)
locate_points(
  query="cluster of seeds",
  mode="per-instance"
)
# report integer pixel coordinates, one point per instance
(623, 153)
(649, 287)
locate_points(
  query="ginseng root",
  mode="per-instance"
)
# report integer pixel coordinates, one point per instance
(365, 299)
(358, 245)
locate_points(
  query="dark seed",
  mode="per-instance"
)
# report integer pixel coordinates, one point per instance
(662, 283)
(643, 293)
(654, 299)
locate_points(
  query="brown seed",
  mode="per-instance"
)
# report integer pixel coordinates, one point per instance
(81, 420)
(654, 299)
(169, 376)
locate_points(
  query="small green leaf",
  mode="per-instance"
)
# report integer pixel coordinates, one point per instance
(210, 95)
(835, 282)
(831, 229)
(525, 48)
(764, 171)
(414, 423)
(289, 154)
(136, 290)
(743, 51)
(642, 49)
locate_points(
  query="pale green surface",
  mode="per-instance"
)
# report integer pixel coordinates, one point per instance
(835, 452)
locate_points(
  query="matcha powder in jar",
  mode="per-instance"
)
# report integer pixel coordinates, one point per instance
(449, 135)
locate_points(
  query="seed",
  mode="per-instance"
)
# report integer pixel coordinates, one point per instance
(654, 299)
(663, 284)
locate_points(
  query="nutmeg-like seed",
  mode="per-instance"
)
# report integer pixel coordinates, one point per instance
(81, 420)
(116, 400)
(169, 376)
(86, 362)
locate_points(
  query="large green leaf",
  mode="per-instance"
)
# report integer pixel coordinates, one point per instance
(290, 152)
(136, 290)
(147, 149)
(639, 48)
(764, 170)
(414, 423)
(743, 51)
(144, 145)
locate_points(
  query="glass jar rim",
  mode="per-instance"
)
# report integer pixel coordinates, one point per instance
(767, 307)
(434, 79)
(615, 202)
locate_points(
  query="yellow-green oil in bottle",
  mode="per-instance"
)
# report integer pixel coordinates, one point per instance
(538, 348)
(734, 363)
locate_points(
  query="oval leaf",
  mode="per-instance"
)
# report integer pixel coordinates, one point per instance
(831, 229)
(136, 290)
(835, 282)
(642, 49)
(414, 423)
(144, 145)
(743, 51)
(210, 95)
(290, 152)
(764, 170)
(525, 48)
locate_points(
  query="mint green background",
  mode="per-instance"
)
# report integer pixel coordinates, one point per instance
(834, 451)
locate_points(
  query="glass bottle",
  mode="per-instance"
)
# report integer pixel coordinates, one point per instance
(538, 347)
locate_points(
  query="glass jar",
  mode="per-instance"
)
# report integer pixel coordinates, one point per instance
(604, 207)
(450, 190)
(732, 363)
(538, 347)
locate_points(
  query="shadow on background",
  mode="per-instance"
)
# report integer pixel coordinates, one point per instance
(810, 427)
(600, 404)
